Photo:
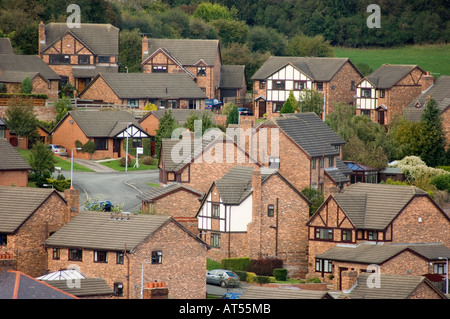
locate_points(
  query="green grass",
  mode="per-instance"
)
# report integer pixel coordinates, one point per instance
(115, 164)
(433, 58)
(65, 164)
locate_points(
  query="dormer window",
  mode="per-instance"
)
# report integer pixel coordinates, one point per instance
(201, 71)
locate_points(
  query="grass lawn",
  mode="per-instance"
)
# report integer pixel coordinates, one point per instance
(433, 58)
(60, 162)
(115, 164)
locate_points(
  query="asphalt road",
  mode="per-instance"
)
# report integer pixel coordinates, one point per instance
(118, 187)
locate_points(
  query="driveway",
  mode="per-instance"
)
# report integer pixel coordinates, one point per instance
(96, 167)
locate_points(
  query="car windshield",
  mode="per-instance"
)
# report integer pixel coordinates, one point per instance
(231, 274)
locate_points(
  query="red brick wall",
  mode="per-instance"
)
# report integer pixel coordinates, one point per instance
(150, 124)
(14, 178)
(100, 90)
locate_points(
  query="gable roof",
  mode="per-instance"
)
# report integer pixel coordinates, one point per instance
(5, 46)
(318, 69)
(10, 158)
(232, 77)
(102, 123)
(102, 39)
(374, 206)
(391, 287)
(84, 287)
(159, 192)
(187, 51)
(259, 292)
(17, 285)
(439, 91)
(109, 231)
(151, 85)
(14, 67)
(388, 75)
(13, 213)
(180, 115)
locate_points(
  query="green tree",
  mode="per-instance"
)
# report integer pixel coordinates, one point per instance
(311, 101)
(315, 197)
(230, 31)
(233, 116)
(214, 11)
(2, 87)
(206, 122)
(166, 126)
(130, 51)
(302, 45)
(62, 106)
(265, 39)
(27, 86)
(20, 118)
(291, 104)
(42, 163)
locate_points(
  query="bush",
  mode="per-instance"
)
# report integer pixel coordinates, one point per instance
(280, 274)
(251, 277)
(236, 263)
(265, 266)
(123, 161)
(242, 275)
(442, 182)
(27, 86)
(147, 160)
(60, 183)
(262, 279)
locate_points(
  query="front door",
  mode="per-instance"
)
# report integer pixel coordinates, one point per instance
(381, 118)
(261, 108)
(116, 146)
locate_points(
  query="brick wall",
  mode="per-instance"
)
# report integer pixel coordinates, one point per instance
(150, 124)
(100, 90)
(14, 178)
(446, 124)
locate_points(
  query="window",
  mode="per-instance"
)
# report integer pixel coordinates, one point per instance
(346, 235)
(278, 85)
(2, 132)
(159, 69)
(321, 162)
(382, 93)
(118, 289)
(101, 144)
(372, 235)
(133, 103)
(299, 85)
(75, 254)
(172, 104)
(215, 210)
(157, 257)
(319, 86)
(162, 104)
(313, 163)
(324, 265)
(56, 253)
(136, 142)
(103, 59)
(366, 113)
(440, 268)
(366, 93)
(352, 85)
(274, 162)
(270, 210)
(201, 71)
(3, 239)
(192, 104)
(215, 240)
(59, 59)
(324, 233)
(100, 256)
(330, 161)
(262, 85)
(277, 107)
(120, 258)
(84, 59)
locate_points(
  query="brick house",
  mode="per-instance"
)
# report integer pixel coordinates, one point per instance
(400, 259)
(13, 167)
(232, 83)
(305, 150)
(440, 92)
(384, 93)
(128, 250)
(15, 68)
(24, 227)
(255, 213)
(79, 54)
(335, 78)
(376, 213)
(391, 286)
(135, 90)
(107, 129)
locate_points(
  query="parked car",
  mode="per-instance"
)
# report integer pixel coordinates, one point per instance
(58, 149)
(213, 104)
(222, 277)
(245, 111)
(104, 206)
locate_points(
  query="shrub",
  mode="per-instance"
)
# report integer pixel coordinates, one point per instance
(280, 274)
(262, 279)
(265, 266)
(123, 162)
(442, 182)
(27, 86)
(236, 263)
(242, 275)
(147, 160)
(60, 183)
(251, 277)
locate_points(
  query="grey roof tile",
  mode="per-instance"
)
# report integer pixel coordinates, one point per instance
(5, 46)
(259, 292)
(85, 287)
(389, 74)
(10, 158)
(24, 65)
(162, 191)
(232, 77)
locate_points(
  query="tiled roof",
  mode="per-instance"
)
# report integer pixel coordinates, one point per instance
(24, 65)
(17, 285)
(180, 115)
(259, 292)
(84, 287)
(92, 71)
(10, 158)
(232, 77)
(103, 39)
(236, 185)
(159, 192)
(18, 203)
(5, 46)
(319, 69)
(439, 91)
(388, 74)
(187, 51)
(374, 206)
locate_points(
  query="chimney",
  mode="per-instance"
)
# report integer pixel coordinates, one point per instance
(348, 279)
(426, 81)
(41, 36)
(73, 202)
(156, 290)
(144, 48)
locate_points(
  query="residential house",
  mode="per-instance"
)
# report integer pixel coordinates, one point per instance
(78, 54)
(398, 259)
(305, 150)
(384, 93)
(106, 128)
(200, 59)
(28, 216)
(362, 173)
(22, 142)
(18, 285)
(255, 213)
(136, 90)
(128, 250)
(176, 200)
(376, 213)
(390, 286)
(16, 68)
(440, 92)
(335, 78)
(186, 160)
(232, 84)
(13, 167)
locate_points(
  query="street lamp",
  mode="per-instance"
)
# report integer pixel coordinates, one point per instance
(142, 278)
(126, 157)
(446, 273)
(71, 168)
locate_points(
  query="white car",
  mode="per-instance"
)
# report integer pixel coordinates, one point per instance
(58, 149)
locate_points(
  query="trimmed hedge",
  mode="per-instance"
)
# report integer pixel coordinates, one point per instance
(280, 274)
(235, 264)
(265, 266)
(24, 95)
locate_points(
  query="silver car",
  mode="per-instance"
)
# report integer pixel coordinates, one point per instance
(222, 277)
(58, 149)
